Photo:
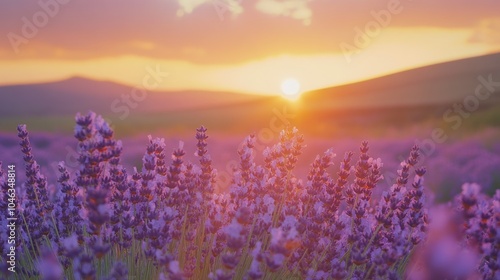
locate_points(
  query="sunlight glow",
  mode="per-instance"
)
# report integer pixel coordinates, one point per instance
(290, 88)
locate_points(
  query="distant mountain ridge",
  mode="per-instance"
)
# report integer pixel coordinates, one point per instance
(80, 95)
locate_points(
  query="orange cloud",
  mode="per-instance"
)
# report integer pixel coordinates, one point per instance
(221, 7)
(488, 31)
(296, 9)
(263, 28)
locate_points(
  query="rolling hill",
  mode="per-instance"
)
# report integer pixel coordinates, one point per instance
(435, 84)
(80, 95)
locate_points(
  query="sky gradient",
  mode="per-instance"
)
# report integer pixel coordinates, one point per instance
(238, 45)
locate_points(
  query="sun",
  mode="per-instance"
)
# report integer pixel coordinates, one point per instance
(290, 88)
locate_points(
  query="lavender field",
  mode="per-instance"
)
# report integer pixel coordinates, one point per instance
(249, 140)
(475, 158)
(171, 217)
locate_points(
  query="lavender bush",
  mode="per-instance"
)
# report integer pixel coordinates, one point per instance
(166, 221)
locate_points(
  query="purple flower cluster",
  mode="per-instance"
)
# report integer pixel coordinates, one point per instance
(463, 239)
(166, 221)
(480, 225)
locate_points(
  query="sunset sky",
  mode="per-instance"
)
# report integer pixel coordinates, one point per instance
(238, 45)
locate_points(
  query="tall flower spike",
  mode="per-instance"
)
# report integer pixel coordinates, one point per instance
(207, 172)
